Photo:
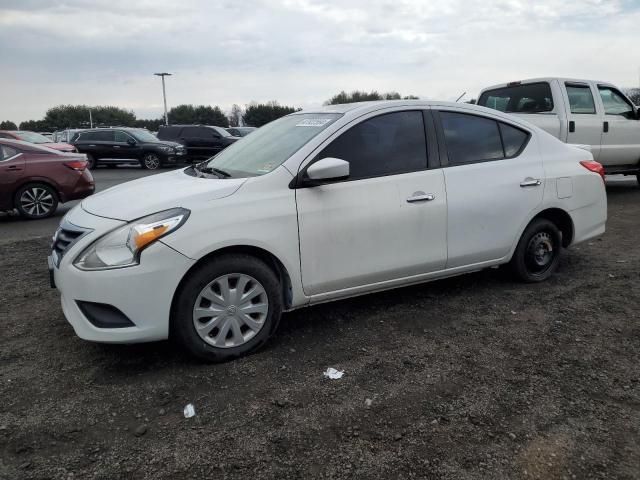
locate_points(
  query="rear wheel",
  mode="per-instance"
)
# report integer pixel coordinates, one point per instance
(36, 200)
(227, 308)
(92, 162)
(151, 161)
(538, 252)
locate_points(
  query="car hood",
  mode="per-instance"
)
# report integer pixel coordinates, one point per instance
(64, 147)
(166, 142)
(155, 193)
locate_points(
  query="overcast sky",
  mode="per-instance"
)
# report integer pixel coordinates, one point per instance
(299, 52)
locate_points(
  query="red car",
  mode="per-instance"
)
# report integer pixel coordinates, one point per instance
(36, 138)
(34, 179)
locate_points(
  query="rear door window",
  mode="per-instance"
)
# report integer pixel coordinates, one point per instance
(121, 137)
(7, 152)
(472, 138)
(388, 144)
(580, 99)
(523, 98)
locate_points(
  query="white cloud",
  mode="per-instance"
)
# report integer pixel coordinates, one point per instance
(299, 52)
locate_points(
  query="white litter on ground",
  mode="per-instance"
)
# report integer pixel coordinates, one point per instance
(189, 411)
(333, 374)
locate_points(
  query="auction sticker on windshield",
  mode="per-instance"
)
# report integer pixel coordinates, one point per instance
(313, 122)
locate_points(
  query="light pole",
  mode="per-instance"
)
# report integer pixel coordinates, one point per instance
(164, 95)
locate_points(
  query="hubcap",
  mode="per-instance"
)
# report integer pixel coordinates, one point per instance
(36, 201)
(231, 310)
(540, 252)
(151, 162)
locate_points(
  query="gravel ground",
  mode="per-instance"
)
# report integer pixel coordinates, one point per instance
(471, 377)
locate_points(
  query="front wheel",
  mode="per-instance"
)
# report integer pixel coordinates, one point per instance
(538, 252)
(227, 308)
(151, 161)
(36, 200)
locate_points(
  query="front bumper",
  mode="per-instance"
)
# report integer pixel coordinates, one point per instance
(143, 293)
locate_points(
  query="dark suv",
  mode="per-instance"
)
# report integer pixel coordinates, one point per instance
(201, 141)
(113, 146)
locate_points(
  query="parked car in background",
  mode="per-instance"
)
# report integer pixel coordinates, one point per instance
(49, 135)
(321, 205)
(37, 139)
(201, 141)
(113, 146)
(577, 111)
(241, 131)
(34, 179)
(66, 135)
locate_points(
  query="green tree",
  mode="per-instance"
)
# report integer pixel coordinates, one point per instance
(8, 125)
(259, 114)
(149, 124)
(362, 96)
(77, 116)
(36, 126)
(198, 114)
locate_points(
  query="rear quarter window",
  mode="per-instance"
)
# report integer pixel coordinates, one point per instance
(524, 98)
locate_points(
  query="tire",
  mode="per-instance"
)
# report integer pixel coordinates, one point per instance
(36, 200)
(224, 336)
(150, 161)
(91, 160)
(538, 252)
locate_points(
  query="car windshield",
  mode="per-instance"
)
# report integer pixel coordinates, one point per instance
(33, 137)
(143, 135)
(268, 147)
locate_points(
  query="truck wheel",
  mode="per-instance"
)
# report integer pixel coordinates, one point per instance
(538, 252)
(226, 308)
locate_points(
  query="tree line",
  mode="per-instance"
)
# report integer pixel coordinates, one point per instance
(254, 114)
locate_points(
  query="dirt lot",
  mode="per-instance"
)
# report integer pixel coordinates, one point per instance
(472, 377)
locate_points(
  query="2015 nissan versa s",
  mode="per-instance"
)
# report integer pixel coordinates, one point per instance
(316, 206)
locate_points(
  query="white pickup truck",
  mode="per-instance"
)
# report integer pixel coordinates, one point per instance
(583, 112)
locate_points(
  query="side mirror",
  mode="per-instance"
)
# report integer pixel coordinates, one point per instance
(131, 141)
(328, 169)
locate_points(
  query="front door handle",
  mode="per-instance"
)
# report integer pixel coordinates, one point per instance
(116, 146)
(14, 168)
(421, 197)
(605, 127)
(530, 182)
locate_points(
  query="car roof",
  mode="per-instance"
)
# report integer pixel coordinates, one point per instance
(361, 108)
(547, 79)
(27, 146)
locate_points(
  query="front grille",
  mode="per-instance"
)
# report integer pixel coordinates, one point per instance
(66, 235)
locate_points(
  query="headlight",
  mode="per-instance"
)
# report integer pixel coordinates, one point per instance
(166, 149)
(121, 247)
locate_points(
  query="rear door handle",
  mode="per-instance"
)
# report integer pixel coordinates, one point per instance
(605, 127)
(572, 126)
(530, 182)
(116, 146)
(421, 197)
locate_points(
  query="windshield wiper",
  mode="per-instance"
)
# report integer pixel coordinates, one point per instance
(201, 167)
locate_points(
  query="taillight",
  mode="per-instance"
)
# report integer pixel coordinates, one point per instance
(594, 167)
(78, 165)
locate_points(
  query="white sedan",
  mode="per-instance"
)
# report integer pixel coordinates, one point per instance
(316, 206)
